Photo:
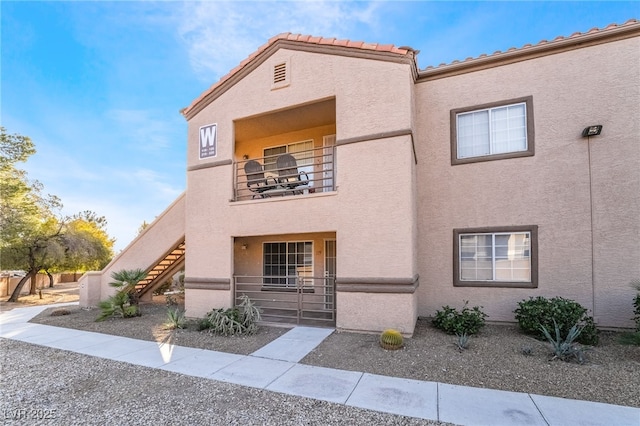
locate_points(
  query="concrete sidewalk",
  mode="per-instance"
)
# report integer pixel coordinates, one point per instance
(275, 367)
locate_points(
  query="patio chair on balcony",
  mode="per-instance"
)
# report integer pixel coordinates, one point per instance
(288, 175)
(256, 181)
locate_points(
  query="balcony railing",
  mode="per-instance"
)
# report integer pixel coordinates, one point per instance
(285, 174)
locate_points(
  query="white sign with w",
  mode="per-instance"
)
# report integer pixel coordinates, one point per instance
(208, 141)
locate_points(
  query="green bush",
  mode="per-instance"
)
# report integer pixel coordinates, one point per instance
(159, 291)
(636, 311)
(636, 304)
(468, 321)
(534, 314)
(630, 338)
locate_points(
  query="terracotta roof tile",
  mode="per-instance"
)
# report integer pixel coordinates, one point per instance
(302, 39)
(560, 38)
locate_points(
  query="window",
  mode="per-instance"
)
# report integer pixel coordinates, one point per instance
(497, 257)
(492, 131)
(285, 262)
(302, 151)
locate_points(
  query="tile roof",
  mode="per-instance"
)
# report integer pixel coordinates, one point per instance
(376, 47)
(390, 48)
(576, 35)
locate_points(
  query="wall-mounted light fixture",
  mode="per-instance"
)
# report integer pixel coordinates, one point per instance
(244, 246)
(592, 131)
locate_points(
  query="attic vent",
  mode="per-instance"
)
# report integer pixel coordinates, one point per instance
(281, 71)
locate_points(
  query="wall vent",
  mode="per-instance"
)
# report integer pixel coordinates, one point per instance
(281, 71)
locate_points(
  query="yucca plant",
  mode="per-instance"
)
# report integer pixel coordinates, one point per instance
(565, 348)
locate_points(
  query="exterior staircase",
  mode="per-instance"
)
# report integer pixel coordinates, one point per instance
(166, 267)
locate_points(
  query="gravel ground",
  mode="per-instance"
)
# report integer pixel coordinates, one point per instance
(494, 359)
(44, 386)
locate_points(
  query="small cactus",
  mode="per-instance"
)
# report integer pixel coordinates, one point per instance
(391, 339)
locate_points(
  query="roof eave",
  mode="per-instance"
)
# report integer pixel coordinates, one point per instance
(530, 52)
(247, 66)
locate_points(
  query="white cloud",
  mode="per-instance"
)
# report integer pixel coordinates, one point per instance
(219, 35)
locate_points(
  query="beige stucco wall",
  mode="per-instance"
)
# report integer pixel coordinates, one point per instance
(249, 261)
(374, 312)
(594, 85)
(371, 96)
(143, 252)
(372, 211)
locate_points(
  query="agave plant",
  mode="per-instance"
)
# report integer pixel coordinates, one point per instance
(175, 318)
(565, 349)
(462, 341)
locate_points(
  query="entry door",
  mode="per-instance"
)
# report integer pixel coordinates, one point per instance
(328, 165)
(330, 263)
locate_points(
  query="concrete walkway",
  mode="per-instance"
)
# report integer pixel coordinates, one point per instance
(275, 367)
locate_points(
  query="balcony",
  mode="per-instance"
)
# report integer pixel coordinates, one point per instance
(296, 169)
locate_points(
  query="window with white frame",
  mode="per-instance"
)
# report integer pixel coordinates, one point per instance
(492, 131)
(496, 257)
(286, 262)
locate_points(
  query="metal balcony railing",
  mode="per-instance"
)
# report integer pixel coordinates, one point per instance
(286, 174)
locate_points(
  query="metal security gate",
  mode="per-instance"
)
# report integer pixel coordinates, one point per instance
(290, 299)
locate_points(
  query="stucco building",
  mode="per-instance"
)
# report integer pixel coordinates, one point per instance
(334, 182)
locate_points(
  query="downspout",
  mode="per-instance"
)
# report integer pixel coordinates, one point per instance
(593, 271)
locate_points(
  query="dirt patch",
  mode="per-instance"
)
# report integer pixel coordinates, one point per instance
(151, 326)
(59, 293)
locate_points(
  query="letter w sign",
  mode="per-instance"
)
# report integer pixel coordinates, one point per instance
(208, 141)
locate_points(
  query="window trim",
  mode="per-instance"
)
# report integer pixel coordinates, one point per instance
(529, 152)
(532, 229)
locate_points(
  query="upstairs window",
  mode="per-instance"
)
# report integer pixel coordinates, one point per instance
(492, 131)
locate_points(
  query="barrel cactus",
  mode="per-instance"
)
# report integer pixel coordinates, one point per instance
(391, 339)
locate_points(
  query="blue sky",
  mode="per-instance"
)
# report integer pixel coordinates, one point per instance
(98, 85)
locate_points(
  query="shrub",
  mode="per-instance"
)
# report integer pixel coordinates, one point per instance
(125, 302)
(636, 304)
(468, 321)
(228, 322)
(630, 338)
(164, 287)
(391, 339)
(564, 348)
(534, 314)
